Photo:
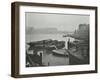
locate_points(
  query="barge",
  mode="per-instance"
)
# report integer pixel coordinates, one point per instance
(46, 44)
(60, 52)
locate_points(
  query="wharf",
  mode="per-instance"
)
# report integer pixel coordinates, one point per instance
(75, 57)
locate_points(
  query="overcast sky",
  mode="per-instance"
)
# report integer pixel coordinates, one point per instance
(59, 21)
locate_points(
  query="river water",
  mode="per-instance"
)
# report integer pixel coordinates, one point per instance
(48, 58)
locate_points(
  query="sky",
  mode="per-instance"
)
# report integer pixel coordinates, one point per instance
(62, 22)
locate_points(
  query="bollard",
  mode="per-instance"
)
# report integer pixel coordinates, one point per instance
(48, 63)
(40, 58)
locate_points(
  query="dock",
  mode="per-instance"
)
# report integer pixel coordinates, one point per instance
(77, 58)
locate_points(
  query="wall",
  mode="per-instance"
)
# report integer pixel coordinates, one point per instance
(5, 40)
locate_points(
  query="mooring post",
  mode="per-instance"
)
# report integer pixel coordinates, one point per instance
(40, 58)
(48, 64)
(68, 43)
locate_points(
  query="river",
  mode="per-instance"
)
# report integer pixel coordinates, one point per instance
(48, 58)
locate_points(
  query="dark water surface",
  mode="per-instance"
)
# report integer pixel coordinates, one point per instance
(54, 60)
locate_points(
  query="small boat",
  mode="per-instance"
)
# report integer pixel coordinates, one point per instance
(60, 52)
